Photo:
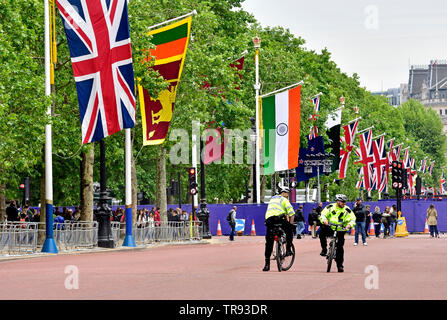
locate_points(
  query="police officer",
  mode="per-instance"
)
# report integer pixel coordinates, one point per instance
(336, 213)
(279, 211)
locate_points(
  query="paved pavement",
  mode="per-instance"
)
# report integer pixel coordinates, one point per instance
(217, 269)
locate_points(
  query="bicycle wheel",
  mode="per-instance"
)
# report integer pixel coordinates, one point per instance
(287, 262)
(330, 255)
(279, 255)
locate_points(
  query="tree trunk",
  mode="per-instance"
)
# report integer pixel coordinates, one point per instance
(161, 200)
(86, 205)
(2, 202)
(263, 187)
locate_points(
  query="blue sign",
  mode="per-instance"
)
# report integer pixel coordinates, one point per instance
(240, 225)
(400, 222)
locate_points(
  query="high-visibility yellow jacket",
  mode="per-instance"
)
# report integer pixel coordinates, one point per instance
(334, 214)
(279, 206)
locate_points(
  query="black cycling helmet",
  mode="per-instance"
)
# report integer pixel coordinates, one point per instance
(341, 197)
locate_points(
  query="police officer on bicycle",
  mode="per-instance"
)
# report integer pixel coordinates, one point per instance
(336, 213)
(279, 211)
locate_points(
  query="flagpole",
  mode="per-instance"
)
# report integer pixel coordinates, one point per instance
(129, 241)
(257, 45)
(194, 12)
(49, 245)
(360, 132)
(283, 89)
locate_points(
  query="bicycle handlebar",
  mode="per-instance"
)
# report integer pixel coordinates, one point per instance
(337, 225)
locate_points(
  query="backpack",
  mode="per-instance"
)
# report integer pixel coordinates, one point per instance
(229, 216)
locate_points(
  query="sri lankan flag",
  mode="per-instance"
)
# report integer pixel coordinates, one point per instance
(171, 44)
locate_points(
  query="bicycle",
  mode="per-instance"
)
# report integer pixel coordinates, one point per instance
(332, 252)
(283, 261)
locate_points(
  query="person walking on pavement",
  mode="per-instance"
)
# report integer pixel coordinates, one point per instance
(385, 222)
(299, 218)
(360, 216)
(232, 221)
(313, 222)
(377, 220)
(12, 213)
(432, 221)
(392, 220)
(368, 215)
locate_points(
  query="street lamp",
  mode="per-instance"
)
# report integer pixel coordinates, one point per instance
(253, 140)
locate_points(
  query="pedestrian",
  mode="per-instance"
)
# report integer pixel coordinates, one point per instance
(231, 218)
(360, 216)
(368, 215)
(432, 221)
(59, 220)
(392, 219)
(36, 215)
(157, 217)
(28, 213)
(377, 220)
(385, 222)
(140, 218)
(313, 222)
(77, 214)
(299, 218)
(12, 214)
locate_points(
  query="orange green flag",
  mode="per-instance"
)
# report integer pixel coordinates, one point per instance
(281, 122)
(171, 45)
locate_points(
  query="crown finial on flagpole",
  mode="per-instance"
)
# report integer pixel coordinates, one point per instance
(257, 42)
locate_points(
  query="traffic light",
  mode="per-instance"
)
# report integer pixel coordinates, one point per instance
(25, 188)
(248, 194)
(404, 179)
(396, 175)
(192, 174)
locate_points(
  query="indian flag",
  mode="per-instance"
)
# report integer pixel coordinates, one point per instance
(281, 124)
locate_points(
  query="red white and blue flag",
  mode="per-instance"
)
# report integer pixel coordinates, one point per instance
(430, 171)
(442, 184)
(366, 156)
(313, 132)
(423, 167)
(380, 163)
(99, 41)
(350, 130)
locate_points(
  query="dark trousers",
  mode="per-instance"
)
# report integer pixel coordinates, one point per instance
(233, 227)
(326, 231)
(377, 229)
(433, 230)
(270, 236)
(367, 223)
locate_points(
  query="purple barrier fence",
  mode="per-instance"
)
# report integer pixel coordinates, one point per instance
(414, 211)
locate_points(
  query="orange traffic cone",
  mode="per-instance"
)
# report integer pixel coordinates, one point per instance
(372, 232)
(219, 229)
(426, 227)
(352, 231)
(253, 231)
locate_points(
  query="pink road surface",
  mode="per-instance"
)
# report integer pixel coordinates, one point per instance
(408, 268)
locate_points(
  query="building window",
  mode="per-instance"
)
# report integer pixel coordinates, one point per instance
(440, 112)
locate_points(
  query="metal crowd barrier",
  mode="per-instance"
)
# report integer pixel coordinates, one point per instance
(18, 237)
(73, 235)
(167, 231)
(25, 237)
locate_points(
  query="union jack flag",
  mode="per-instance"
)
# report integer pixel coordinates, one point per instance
(316, 103)
(430, 171)
(313, 132)
(99, 41)
(350, 131)
(423, 166)
(380, 163)
(442, 184)
(365, 154)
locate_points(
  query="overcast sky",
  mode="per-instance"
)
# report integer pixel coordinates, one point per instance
(377, 39)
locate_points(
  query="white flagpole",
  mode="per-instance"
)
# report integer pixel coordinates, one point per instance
(49, 245)
(283, 89)
(257, 88)
(194, 12)
(128, 239)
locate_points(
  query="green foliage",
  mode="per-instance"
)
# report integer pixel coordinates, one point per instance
(220, 32)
